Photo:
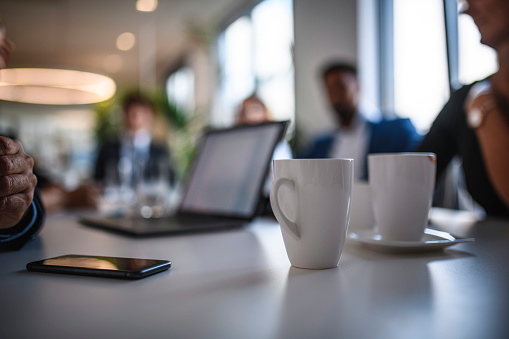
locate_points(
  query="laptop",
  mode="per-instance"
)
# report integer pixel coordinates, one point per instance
(223, 190)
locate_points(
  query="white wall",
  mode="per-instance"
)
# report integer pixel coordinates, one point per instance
(324, 30)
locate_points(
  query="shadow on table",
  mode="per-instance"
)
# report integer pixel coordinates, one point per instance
(369, 295)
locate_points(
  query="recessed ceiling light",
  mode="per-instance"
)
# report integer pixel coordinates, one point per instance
(54, 86)
(125, 41)
(146, 5)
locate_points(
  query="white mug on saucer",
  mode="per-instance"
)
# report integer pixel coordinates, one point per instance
(311, 200)
(402, 186)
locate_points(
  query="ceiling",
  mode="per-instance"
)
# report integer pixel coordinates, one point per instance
(81, 34)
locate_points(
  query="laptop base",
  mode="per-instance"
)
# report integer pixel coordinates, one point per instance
(140, 227)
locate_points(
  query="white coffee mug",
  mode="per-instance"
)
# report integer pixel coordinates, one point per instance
(311, 200)
(402, 186)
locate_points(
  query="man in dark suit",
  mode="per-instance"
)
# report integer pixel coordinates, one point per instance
(135, 154)
(21, 210)
(356, 136)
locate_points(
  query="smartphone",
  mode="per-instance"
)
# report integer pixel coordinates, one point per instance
(98, 266)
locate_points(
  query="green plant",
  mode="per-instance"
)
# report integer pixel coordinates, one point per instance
(107, 120)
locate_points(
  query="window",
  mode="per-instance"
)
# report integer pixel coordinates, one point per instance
(273, 38)
(237, 79)
(476, 61)
(419, 81)
(255, 56)
(180, 90)
(421, 85)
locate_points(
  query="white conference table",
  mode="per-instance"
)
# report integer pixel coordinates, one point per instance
(239, 284)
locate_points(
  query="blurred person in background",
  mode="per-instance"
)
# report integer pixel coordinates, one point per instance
(21, 210)
(355, 136)
(135, 154)
(474, 123)
(254, 111)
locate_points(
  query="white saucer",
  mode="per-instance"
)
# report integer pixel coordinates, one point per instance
(432, 240)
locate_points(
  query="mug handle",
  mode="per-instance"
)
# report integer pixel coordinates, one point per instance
(290, 226)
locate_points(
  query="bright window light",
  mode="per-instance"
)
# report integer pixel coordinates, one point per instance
(255, 54)
(237, 76)
(273, 38)
(272, 31)
(421, 85)
(180, 90)
(476, 61)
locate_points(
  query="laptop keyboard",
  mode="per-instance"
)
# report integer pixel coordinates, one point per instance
(192, 220)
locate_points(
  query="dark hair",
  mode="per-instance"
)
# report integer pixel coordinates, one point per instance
(137, 99)
(339, 66)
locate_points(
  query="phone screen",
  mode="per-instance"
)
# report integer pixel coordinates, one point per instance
(94, 265)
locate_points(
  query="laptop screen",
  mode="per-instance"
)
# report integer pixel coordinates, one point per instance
(230, 169)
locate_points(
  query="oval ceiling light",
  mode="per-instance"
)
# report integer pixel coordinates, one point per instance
(125, 41)
(54, 86)
(146, 5)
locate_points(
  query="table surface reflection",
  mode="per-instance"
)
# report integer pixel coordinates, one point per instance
(239, 284)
